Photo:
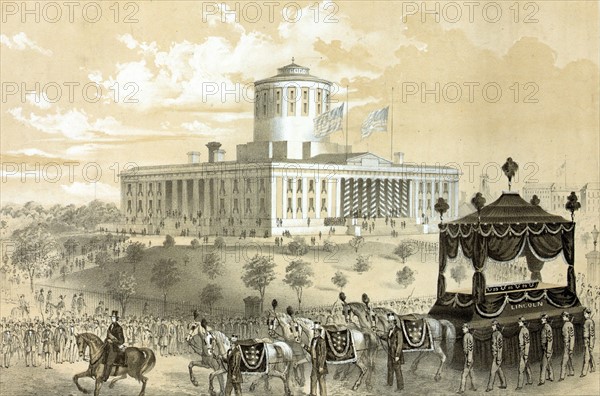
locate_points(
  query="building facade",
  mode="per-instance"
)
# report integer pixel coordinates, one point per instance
(552, 196)
(286, 178)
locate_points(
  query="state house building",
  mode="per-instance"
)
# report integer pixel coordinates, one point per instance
(286, 178)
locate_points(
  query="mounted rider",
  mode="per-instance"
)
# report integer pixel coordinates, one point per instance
(113, 344)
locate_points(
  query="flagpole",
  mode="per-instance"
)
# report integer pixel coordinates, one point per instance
(392, 130)
(565, 170)
(347, 116)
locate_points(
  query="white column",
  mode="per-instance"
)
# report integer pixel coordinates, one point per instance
(304, 197)
(317, 198)
(184, 198)
(329, 196)
(174, 195)
(163, 197)
(417, 199)
(195, 197)
(206, 201)
(455, 194)
(433, 189)
(411, 198)
(294, 195)
(338, 197)
(273, 202)
(284, 188)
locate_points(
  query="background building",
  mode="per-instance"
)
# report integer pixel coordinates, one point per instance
(286, 178)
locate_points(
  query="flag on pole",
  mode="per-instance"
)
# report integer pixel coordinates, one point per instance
(329, 122)
(561, 171)
(376, 122)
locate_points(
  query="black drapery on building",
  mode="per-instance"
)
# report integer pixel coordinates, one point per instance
(506, 229)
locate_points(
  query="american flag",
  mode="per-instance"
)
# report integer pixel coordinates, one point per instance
(329, 122)
(375, 122)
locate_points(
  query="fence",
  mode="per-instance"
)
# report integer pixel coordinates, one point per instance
(137, 305)
(379, 303)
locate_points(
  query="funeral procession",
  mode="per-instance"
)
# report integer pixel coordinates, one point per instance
(311, 198)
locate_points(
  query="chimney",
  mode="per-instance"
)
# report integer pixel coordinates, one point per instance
(193, 157)
(398, 158)
(214, 154)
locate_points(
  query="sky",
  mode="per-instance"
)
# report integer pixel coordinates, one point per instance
(91, 89)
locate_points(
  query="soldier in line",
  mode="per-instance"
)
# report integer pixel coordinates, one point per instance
(589, 336)
(568, 334)
(497, 348)
(546, 371)
(395, 354)
(524, 343)
(317, 350)
(30, 343)
(468, 352)
(234, 373)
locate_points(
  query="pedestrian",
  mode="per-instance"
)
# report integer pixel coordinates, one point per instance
(468, 354)
(568, 333)
(234, 372)
(524, 343)
(395, 354)
(29, 343)
(589, 336)
(46, 345)
(7, 346)
(546, 371)
(497, 348)
(318, 351)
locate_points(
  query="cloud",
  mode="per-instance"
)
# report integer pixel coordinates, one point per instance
(38, 100)
(21, 42)
(79, 191)
(32, 152)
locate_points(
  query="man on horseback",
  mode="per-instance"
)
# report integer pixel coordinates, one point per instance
(395, 354)
(112, 344)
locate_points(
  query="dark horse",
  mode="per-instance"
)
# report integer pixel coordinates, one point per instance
(139, 362)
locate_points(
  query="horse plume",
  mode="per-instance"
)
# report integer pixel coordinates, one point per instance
(274, 304)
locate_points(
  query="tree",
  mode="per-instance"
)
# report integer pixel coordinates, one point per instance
(510, 168)
(195, 243)
(258, 273)
(219, 243)
(121, 286)
(329, 246)
(298, 247)
(103, 259)
(339, 280)
(405, 276)
(458, 273)
(211, 265)
(169, 242)
(356, 243)
(70, 246)
(165, 275)
(572, 205)
(135, 253)
(298, 276)
(441, 207)
(405, 249)
(362, 264)
(35, 251)
(210, 295)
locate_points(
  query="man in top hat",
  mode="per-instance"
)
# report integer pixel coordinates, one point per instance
(497, 348)
(568, 333)
(524, 343)
(41, 301)
(234, 372)
(395, 354)
(318, 351)
(468, 345)
(589, 336)
(8, 340)
(112, 344)
(546, 371)
(30, 343)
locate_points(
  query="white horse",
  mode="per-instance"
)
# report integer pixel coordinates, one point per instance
(301, 330)
(196, 339)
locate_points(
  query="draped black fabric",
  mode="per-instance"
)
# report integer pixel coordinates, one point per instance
(503, 249)
(441, 285)
(479, 287)
(534, 265)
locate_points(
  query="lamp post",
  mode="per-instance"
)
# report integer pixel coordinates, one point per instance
(595, 237)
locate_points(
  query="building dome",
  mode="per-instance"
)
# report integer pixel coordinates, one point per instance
(287, 104)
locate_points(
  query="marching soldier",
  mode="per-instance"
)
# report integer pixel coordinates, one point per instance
(546, 372)
(568, 334)
(395, 354)
(497, 348)
(589, 336)
(468, 345)
(318, 351)
(112, 344)
(30, 343)
(524, 343)
(234, 372)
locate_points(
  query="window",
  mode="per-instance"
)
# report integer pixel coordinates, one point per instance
(289, 184)
(222, 189)
(299, 183)
(291, 98)
(262, 205)
(326, 101)
(319, 101)
(289, 206)
(150, 205)
(235, 205)
(140, 205)
(262, 185)
(222, 205)
(304, 101)
(129, 189)
(323, 204)
(278, 101)
(235, 186)
(256, 104)
(299, 205)
(324, 186)
(248, 207)
(129, 205)
(311, 204)
(311, 186)
(248, 186)
(159, 204)
(265, 104)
